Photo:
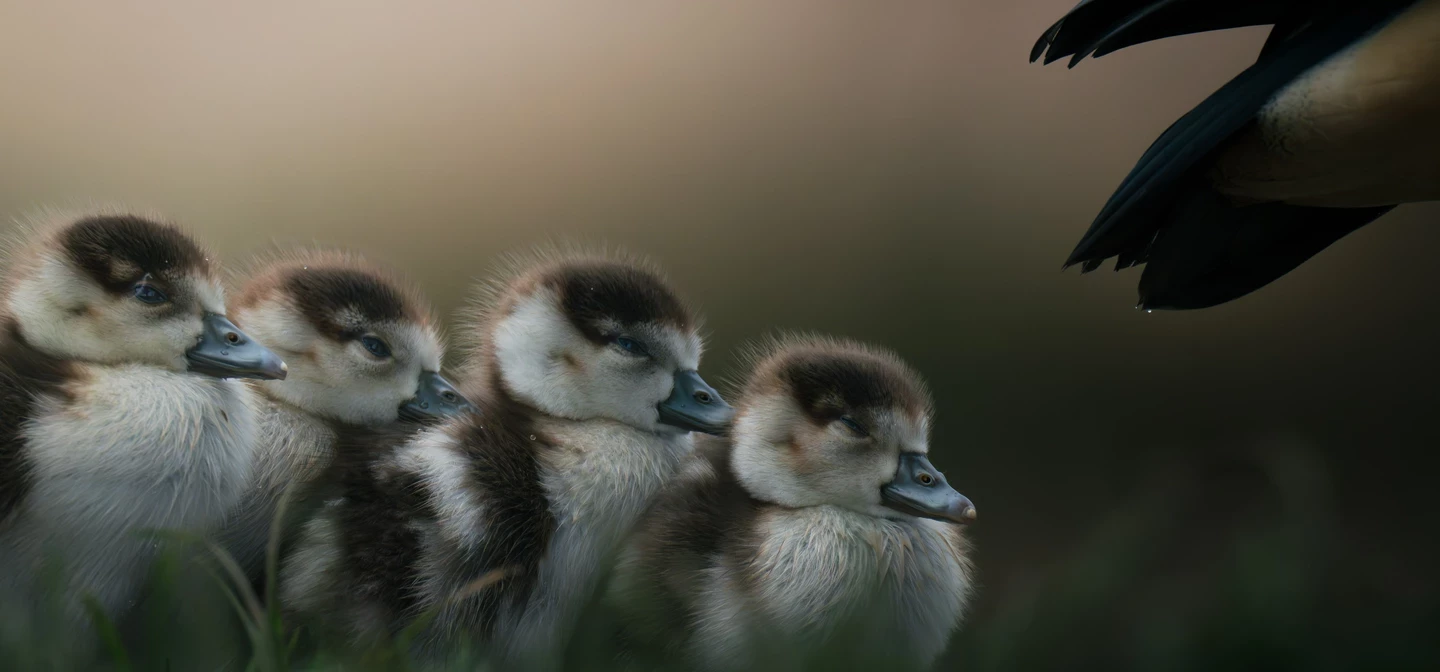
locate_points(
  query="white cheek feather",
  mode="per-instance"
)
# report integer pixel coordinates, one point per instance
(531, 345)
(138, 337)
(355, 388)
(142, 448)
(47, 303)
(627, 388)
(599, 479)
(417, 350)
(687, 348)
(41, 302)
(64, 314)
(327, 378)
(843, 583)
(838, 474)
(757, 460)
(209, 295)
(646, 382)
(288, 334)
(423, 346)
(528, 346)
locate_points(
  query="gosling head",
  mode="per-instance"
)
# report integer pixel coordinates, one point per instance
(587, 337)
(362, 344)
(120, 288)
(832, 422)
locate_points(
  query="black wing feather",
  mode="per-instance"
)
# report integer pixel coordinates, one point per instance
(1140, 207)
(1213, 252)
(26, 375)
(1081, 24)
(1131, 213)
(1099, 27)
(1185, 17)
(1199, 250)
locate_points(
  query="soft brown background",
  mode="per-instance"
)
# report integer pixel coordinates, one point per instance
(891, 171)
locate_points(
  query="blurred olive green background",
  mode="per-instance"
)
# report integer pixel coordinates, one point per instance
(1248, 484)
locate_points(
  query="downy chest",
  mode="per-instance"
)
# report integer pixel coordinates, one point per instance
(141, 446)
(836, 578)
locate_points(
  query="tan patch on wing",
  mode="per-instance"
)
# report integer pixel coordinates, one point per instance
(1361, 130)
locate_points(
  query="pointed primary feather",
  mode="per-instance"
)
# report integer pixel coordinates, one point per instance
(1184, 17)
(1081, 24)
(1104, 26)
(1142, 204)
(1213, 252)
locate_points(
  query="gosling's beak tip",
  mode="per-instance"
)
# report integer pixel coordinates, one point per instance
(911, 493)
(271, 367)
(280, 372)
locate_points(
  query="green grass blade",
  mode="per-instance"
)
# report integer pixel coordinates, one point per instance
(253, 613)
(272, 553)
(109, 635)
(423, 621)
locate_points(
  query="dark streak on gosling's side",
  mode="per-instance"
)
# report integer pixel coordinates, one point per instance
(26, 376)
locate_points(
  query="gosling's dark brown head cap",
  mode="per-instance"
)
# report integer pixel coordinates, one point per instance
(117, 250)
(326, 286)
(591, 286)
(829, 377)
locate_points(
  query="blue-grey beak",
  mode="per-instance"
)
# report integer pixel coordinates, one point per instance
(919, 489)
(436, 398)
(695, 406)
(226, 352)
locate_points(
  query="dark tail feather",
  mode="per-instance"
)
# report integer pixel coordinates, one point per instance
(1213, 252)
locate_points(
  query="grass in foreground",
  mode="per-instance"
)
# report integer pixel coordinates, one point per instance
(1152, 587)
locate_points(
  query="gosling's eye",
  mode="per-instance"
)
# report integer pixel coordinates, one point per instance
(631, 346)
(853, 426)
(376, 346)
(150, 295)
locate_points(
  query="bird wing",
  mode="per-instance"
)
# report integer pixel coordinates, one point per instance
(1098, 27)
(1144, 209)
(1212, 252)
